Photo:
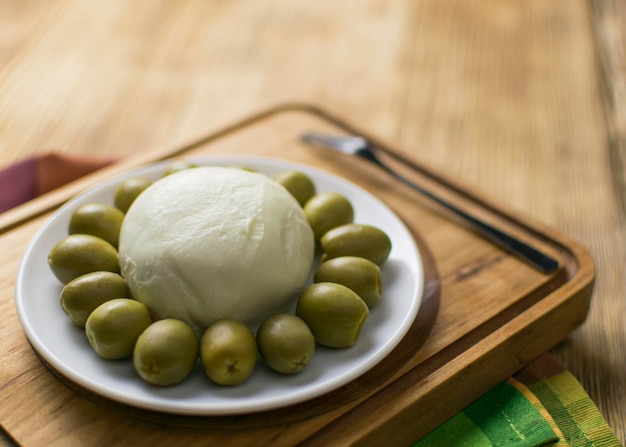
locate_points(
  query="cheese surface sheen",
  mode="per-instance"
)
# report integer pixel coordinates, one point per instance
(214, 242)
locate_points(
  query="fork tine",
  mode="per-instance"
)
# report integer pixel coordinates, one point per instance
(344, 143)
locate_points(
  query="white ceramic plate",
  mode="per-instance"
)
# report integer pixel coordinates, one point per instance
(66, 349)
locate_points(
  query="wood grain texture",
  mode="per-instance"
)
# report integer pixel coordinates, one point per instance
(608, 19)
(521, 101)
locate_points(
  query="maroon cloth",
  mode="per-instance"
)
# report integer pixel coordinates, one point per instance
(37, 175)
(18, 184)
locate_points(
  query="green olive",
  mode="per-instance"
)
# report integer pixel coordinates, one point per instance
(298, 184)
(166, 352)
(179, 165)
(97, 219)
(286, 343)
(365, 241)
(78, 254)
(82, 295)
(113, 327)
(358, 274)
(327, 210)
(228, 351)
(128, 191)
(334, 313)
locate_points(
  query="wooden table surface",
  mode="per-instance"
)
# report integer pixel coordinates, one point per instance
(524, 101)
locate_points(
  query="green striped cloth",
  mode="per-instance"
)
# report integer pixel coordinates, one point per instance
(542, 406)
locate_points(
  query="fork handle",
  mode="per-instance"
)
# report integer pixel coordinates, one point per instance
(541, 261)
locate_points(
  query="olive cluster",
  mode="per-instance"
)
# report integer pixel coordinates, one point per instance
(348, 281)
(331, 312)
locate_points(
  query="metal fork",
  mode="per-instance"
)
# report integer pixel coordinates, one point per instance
(353, 145)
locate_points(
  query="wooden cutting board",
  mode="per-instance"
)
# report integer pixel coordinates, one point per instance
(485, 314)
